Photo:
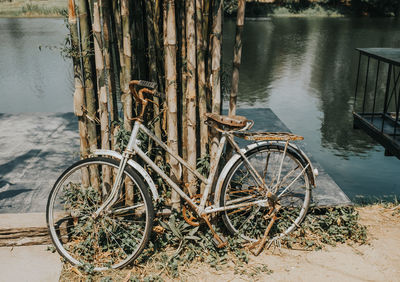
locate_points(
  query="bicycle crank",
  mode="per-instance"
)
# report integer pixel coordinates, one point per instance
(189, 215)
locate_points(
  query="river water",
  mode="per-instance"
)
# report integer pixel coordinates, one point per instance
(303, 69)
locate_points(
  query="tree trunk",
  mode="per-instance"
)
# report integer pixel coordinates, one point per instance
(191, 91)
(170, 84)
(237, 55)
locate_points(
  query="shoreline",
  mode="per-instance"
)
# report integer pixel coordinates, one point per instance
(31, 17)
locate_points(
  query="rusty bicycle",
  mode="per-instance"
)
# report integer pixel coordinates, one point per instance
(101, 209)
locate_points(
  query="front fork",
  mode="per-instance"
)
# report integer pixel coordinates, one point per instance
(112, 198)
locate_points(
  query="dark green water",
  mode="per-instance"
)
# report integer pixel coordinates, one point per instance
(305, 71)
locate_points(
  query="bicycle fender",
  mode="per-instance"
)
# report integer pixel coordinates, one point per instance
(234, 158)
(134, 165)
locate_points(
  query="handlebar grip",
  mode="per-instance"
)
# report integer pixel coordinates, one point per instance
(147, 84)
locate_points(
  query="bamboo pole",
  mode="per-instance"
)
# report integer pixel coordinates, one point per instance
(152, 61)
(237, 55)
(207, 49)
(126, 98)
(201, 78)
(170, 84)
(91, 101)
(79, 94)
(158, 41)
(216, 70)
(84, 22)
(101, 80)
(107, 53)
(101, 93)
(183, 77)
(118, 32)
(191, 92)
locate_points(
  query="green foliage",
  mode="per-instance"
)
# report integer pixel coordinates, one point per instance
(179, 246)
(328, 226)
(307, 8)
(34, 9)
(203, 165)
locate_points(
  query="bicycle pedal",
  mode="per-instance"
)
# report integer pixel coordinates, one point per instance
(219, 243)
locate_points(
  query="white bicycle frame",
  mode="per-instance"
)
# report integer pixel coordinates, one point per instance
(201, 209)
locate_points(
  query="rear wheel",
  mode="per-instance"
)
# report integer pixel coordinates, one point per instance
(114, 238)
(289, 182)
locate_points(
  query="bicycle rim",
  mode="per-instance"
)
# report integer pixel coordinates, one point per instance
(113, 239)
(291, 185)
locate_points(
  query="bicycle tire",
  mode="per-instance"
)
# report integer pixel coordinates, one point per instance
(112, 240)
(250, 222)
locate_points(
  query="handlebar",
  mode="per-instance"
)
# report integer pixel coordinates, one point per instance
(139, 95)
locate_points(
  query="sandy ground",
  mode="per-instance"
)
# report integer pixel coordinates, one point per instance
(379, 260)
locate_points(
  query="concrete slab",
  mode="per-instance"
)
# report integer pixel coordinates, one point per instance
(35, 149)
(327, 193)
(22, 220)
(33, 263)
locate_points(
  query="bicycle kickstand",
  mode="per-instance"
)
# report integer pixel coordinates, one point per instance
(261, 243)
(218, 240)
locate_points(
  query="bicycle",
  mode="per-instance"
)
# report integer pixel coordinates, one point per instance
(100, 210)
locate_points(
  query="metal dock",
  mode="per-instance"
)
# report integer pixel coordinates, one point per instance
(377, 97)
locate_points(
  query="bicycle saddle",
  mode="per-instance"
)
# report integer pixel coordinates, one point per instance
(236, 122)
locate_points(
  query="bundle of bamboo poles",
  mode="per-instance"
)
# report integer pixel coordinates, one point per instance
(176, 43)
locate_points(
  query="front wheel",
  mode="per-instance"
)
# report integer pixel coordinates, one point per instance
(114, 238)
(285, 174)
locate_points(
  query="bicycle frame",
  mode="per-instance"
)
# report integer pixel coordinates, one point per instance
(133, 148)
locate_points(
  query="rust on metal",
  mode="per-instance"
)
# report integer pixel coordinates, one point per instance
(232, 121)
(261, 243)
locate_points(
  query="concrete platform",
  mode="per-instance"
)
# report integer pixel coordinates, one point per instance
(36, 148)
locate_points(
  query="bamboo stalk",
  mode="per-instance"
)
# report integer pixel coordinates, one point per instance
(207, 50)
(79, 95)
(181, 35)
(118, 32)
(152, 61)
(237, 55)
(100, 74)
(84, 22)
(191, 91)
(216, 70)
(101, 92)
(170, 84)
(107, 53)
(159, 46)
(126, 98)
(201, 78)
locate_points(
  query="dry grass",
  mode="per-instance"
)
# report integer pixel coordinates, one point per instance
(32, 8)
